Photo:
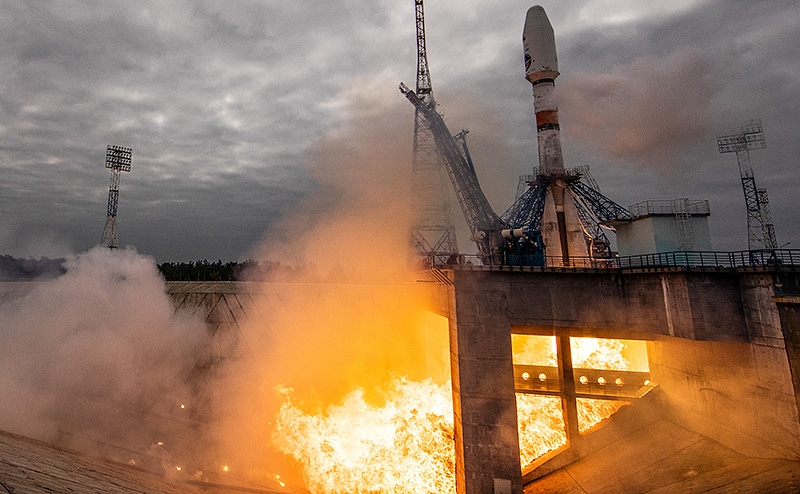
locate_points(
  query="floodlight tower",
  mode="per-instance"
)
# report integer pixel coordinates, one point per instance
(760, 230)
(433, 232)
(118, 159)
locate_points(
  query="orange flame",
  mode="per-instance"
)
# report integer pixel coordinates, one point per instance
(406, 444)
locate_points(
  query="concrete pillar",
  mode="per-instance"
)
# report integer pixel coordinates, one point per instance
(569, 406)
(484, 401)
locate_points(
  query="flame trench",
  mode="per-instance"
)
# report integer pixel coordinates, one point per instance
(405, 444)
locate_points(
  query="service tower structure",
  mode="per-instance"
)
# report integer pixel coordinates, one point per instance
(433, 232)
(118, 159)
(561, 226)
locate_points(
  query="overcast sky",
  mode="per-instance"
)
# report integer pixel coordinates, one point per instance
(221, 102)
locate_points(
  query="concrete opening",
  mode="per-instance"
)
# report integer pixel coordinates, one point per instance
(568, 386)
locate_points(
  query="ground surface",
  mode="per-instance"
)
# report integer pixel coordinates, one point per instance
(34, 467)
(665, 458)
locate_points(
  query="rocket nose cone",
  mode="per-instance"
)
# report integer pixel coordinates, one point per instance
(539, 43)
(536, 18)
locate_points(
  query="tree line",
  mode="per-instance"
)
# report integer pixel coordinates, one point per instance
(18, 269)
(204, 270)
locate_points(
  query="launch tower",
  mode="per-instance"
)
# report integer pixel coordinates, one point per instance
(560, 211)
(433, 232)
(118, 159)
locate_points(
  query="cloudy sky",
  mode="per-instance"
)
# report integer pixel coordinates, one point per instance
(222, 102)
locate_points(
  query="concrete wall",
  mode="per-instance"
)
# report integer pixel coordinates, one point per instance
(696, 305)
(659, 233)
(716, 346)
(738, 394)
(484, 403)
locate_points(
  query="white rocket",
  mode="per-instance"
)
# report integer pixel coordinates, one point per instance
(561, 228)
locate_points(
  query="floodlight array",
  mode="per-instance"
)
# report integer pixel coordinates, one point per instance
(118, 157)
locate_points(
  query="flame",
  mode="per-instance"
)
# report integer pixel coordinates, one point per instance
(540, 418)
(406, 444)
(540, 425)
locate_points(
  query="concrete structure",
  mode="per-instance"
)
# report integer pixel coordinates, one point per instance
(665, 226)
(722, 348)
(28, 466)
(723, 345)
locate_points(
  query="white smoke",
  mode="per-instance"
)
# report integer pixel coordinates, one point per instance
(98, 359)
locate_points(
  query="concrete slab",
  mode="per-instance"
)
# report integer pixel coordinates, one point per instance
(28, 466)
(638, 453)
(31, 467)
(665, 458)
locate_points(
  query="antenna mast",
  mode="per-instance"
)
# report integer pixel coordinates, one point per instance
(118, 159)
(760, 230)
(433, 232)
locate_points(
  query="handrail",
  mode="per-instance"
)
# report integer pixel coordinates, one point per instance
(689, 259)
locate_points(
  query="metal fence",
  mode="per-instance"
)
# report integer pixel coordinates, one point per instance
(693, 208)
(703, 259)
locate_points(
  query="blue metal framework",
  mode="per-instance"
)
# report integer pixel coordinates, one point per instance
(601, 206)
(526, 212)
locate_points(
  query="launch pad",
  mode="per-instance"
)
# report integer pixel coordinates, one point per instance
(722, 347)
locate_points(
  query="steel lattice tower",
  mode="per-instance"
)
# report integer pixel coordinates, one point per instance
(118, 159)
(433, 232)
(760, 230)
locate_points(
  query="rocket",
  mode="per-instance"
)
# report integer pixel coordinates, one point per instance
(562, 230)
(541, 69)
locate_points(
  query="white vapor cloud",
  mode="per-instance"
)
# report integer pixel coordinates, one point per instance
(97, 359)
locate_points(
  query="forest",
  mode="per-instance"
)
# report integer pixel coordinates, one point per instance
(44, 268)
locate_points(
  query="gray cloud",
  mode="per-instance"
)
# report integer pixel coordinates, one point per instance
(222, 101)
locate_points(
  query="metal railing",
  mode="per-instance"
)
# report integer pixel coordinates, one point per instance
(767, 258)
(711, 259)
(693, 208)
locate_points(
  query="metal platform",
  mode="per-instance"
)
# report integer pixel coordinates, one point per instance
(589, 383)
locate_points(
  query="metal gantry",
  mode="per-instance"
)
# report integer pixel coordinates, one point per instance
(480, 216)
(433, 232)
(118, 159)
(760, 230)
(594, 209)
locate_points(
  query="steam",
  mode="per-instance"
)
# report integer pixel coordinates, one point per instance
(350, 315)
(98, 360)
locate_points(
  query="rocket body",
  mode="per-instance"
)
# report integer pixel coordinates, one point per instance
(541, 69)
(562, 230)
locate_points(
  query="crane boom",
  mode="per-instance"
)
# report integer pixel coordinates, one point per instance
(483, 222)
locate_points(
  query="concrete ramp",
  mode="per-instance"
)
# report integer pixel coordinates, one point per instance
(663, 457)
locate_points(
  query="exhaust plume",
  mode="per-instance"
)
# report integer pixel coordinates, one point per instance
(350, 315)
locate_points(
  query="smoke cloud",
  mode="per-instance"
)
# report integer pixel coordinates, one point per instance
(648, 113)
(97, 360)
(349, 313)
